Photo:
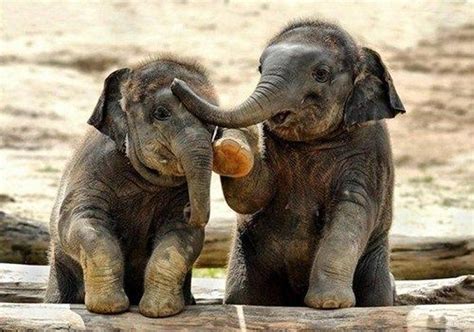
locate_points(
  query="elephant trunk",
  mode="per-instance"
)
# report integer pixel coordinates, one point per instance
(267, 100)
(194, 151)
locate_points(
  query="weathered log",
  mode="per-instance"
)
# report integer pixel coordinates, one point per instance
(23, 241)
(436, 291)
(23, 283)
(430, 257)
(224, 317)
(26, 283)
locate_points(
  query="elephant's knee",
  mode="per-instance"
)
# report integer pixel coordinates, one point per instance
(90, 240)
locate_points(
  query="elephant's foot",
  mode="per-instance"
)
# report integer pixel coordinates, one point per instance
(155, 304)
(330, 297)
(102, 301)
(232, 157)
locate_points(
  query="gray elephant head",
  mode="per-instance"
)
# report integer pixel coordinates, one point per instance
(315, 80)
(165, 143)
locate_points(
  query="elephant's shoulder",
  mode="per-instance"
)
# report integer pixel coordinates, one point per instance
(96, 160)
(371, 136)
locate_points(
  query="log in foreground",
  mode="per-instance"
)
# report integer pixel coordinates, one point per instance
(26, 283)
(65, 316)
(23, 241)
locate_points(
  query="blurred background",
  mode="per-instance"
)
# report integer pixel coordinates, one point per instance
(54, 57)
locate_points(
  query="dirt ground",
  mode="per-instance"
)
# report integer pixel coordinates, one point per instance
(54, 57)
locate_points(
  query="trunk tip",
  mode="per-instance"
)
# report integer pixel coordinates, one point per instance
(177, 85)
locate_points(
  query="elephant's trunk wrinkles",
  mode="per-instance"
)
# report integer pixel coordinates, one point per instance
(193, 149)
(269, 98)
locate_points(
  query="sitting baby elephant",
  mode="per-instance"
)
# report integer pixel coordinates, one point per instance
(133, 202)
(316, 202)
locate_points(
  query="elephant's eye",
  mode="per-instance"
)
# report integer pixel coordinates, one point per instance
(260, 69)
(161, 113)
(321, 74)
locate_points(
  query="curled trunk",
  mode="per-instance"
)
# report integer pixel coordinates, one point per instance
(266, 101)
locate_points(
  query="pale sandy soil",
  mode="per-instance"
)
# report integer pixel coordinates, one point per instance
(54, 57)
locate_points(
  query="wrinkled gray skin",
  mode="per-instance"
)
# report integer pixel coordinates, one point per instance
(316, 208)
(129, 219)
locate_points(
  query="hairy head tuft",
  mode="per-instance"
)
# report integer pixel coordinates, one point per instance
(310, 31)
(159, 71)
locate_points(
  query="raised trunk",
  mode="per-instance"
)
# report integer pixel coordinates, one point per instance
(266, 101)
(194, 151)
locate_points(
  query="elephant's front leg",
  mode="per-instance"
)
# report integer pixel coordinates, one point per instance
(330, 284)
(173, 257)
(247, 180)
(92, 244)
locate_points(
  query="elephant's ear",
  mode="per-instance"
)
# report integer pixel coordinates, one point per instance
(374, 96)
(108, 116)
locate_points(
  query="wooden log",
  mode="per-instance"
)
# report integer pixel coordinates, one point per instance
(428, 257)
(436, 291)
(23, 283)
(225, 317)
(23, 241)
(26, 283)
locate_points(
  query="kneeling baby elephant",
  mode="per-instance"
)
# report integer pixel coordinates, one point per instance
(129, 218)
(316, 202)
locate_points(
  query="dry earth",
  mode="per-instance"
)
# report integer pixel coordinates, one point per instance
(54, 57)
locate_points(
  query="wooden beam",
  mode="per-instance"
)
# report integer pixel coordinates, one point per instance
(223, 317)
(23, 241)
(26, 283)
(436, 291)
(23, 283)
(431, 257)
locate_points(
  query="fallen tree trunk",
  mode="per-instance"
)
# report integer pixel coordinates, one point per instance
(23, 241)
(26, 283)
(222, 317)
(428, 257)
(436, 291)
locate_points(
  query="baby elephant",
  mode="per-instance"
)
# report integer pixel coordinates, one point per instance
(316, 205)
(129, 219)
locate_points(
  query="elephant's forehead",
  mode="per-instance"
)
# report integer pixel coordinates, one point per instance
(165, 96)
(148, 83)
(140, 87)
(303, 53)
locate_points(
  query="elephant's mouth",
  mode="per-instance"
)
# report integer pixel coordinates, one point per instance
(169, 162)
(281, 117)
(150, 174)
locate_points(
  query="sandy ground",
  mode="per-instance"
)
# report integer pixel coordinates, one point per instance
(54, 57)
